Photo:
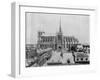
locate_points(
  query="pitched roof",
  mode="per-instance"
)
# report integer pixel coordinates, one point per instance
(81, 55)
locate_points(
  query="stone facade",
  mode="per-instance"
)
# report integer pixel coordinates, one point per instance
(56, 42)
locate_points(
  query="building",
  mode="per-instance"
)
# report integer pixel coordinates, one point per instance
(30, 51)
(56, 42)
(81, 57)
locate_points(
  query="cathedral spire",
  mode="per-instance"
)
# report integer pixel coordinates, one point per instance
(60, 26)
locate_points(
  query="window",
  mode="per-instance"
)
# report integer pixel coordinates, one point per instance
(86, 59)
(81, 59)
(68, 61)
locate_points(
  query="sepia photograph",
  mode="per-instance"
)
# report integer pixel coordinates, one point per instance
(54, 39)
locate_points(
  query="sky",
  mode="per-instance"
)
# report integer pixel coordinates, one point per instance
(72, 25)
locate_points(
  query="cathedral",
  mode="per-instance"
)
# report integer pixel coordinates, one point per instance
(56, 42)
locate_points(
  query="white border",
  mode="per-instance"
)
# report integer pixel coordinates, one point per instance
(19, 60)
